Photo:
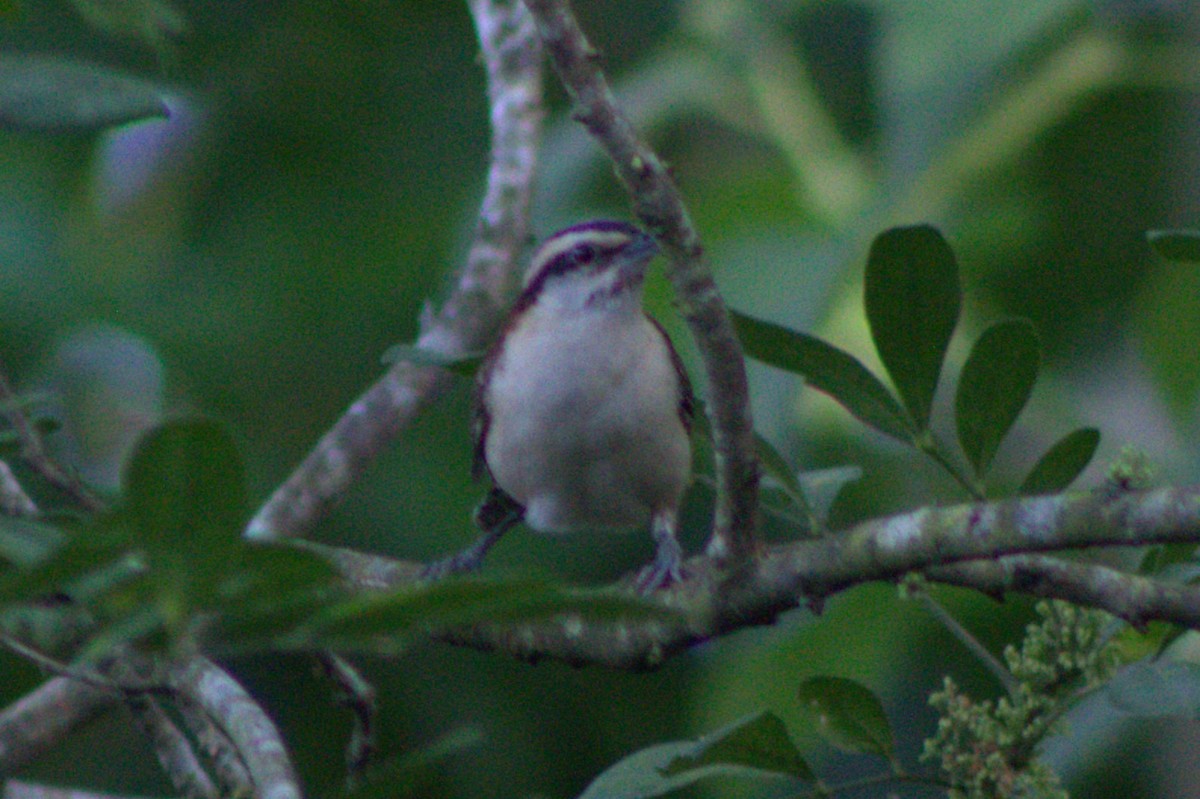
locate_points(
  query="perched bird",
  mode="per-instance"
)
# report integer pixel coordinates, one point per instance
(583, 407)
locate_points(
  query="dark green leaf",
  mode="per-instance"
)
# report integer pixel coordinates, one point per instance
(994, 386)
(1176, 245)
(757, 746)
(1062, 463)
(827, 369)
(384, 622)
(847, 714)
(77, 561)
(760, 742)
(778, 469)
(41, 93)
(912, 298)
(153, 22)
(186, 477)
(823, 486)
(463, 365)
(1158, 688)
(416, 770)
(187, 504)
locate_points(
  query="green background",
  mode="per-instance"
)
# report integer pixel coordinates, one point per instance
(254, 256)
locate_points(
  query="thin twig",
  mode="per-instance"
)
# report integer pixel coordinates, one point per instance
(356, 693)
(973, 644)
(659, 205)
(34, 452)
(13, 499)
(470, 315)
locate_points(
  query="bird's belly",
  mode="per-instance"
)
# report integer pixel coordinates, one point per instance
(589, 445)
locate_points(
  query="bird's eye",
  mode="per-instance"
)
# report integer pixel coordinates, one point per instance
(585, 254)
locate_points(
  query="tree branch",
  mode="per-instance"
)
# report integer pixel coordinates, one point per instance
(660, 207)
(1132, 597)
(474, 308)
(235, 713)
(34, 453)
(43, 717)
(953, 544)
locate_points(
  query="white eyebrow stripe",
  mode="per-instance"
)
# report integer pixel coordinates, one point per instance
(555, 246)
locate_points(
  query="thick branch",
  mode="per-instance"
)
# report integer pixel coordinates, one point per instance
(243, 721)
(659, 205)
(955, 544)
(43, 717)
(470, 315)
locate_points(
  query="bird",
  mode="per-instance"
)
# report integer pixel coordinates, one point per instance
(583, 407)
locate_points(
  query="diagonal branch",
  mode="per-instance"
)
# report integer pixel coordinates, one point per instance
(473, 310)
(37, 721)
(658, 204)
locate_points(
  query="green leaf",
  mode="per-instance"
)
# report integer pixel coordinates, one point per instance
(1062, 463)
(384, 622)
(408, 774)
(822, 487)
(756, 746)
(45, 94)
(1158, 688)
(994, 386)
(1176, 245)
(912, 298)
(27, 542)
(187, 505)
(462, 365)
(847, 714)
(827, 369)
(154, 22)
(778, 469)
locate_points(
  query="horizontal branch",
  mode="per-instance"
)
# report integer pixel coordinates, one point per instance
(958, 544)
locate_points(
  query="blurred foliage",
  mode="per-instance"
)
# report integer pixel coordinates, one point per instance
(255, 254)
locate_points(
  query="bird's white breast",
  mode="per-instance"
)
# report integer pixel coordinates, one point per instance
(584, 427)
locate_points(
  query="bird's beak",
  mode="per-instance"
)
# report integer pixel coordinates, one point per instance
(637, 256)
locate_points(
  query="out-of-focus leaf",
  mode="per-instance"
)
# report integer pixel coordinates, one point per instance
(847, 714)
(1153, 689)
(822, 487)
(27, 542)
(826, 368)
(10, 10)
(1176, 245)
(912, 298)
(78, 560)
(409, 774)
(1062, 463)
(778, 469)
(994, 386)
(463, 365)
(385, 622)
(757, 746)
(153, 22)
(186, 506)
(48, 94)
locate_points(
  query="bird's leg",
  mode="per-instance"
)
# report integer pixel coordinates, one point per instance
(495, 516)
(666, 568)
